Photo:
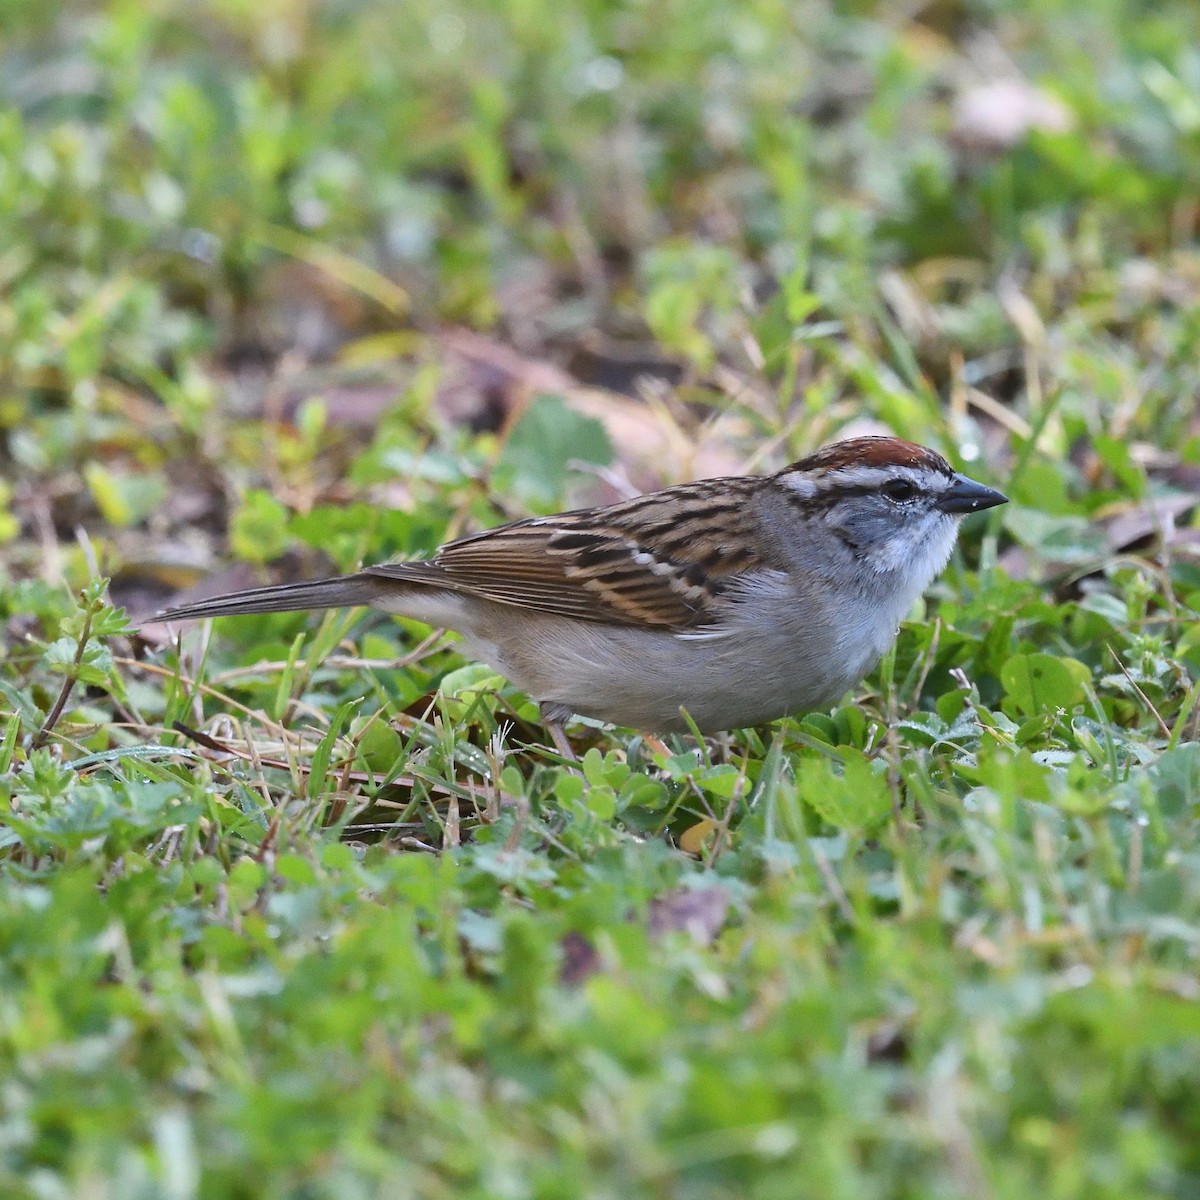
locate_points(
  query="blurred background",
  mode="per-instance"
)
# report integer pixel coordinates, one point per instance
(305, 907)
(263, 257)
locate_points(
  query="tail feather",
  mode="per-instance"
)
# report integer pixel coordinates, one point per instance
(342, 591)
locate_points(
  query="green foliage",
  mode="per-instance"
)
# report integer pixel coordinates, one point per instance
(854, 798)
(310, 909)
(540, 450)
(258, 531)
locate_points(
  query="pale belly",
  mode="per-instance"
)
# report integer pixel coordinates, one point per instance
(644, 679)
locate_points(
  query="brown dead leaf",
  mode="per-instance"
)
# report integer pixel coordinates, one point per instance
(692, 840)
(1150, 519)
(580, 959)
(487, 384)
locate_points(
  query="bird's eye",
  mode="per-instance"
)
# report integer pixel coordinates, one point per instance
(899, 489)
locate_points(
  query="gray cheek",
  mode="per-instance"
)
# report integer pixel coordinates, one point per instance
(888, 539)
(868, 530)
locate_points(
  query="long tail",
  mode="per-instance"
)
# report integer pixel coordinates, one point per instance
(342, 591)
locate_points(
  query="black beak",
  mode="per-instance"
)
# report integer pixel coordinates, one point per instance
(966, 496)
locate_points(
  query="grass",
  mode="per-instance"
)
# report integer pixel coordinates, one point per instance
(309, 907)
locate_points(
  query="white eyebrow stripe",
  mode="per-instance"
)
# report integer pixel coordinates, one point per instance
(803, 485)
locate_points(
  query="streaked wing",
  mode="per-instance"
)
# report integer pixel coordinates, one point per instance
(661, 560)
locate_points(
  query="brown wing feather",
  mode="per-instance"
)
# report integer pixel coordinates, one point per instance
(661, 560)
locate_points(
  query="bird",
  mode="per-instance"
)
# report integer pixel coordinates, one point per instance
(721, 603)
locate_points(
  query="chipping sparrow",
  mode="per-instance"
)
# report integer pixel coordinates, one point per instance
(739, 599)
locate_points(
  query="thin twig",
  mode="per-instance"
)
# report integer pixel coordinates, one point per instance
(68, 686)
(1133, 684)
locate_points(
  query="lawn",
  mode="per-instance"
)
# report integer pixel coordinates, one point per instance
(310, 907)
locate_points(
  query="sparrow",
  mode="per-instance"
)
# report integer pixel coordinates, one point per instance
(734, 600)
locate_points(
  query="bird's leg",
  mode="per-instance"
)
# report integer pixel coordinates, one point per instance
(554, 716)
(559, 738)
